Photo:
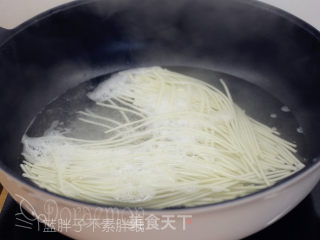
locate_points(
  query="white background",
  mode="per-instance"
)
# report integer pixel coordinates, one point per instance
(14, 12)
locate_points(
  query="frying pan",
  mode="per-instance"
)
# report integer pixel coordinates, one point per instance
(254, 44)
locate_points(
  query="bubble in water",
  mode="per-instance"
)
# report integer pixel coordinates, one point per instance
(273, 115)
(285, 109)
(299, 130)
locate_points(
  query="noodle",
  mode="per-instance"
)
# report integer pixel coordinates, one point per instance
(180, 142)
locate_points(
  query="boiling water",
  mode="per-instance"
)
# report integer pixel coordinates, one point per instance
(61, 115)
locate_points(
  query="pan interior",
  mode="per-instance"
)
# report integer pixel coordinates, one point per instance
(61, 114)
